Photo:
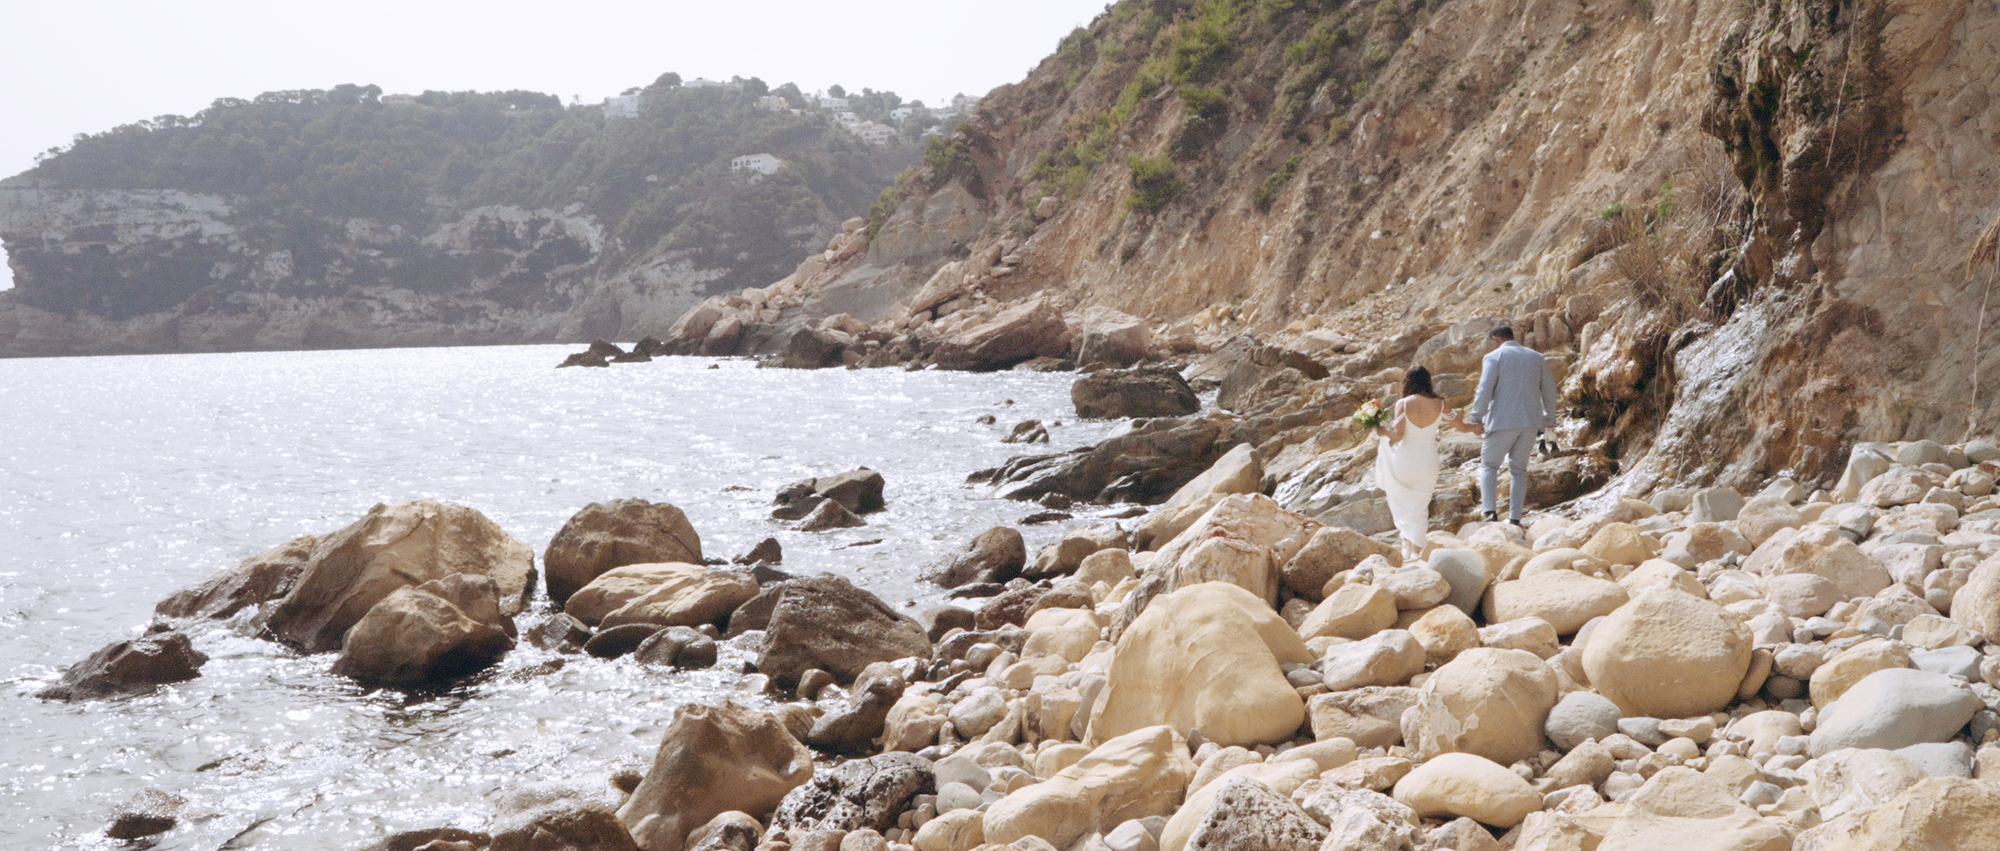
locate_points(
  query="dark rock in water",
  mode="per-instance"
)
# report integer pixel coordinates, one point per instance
(1027, 431)
(976, 590)
(767, 551)
(806, 348)
(129, 667)
(561, 633)
(1056, 501)
(677, 647)
(1041, 517)
(150, 813)
(580, 825)
(612, 534)
(858, 490)
(1145, 464)
(427, 636)
(755, 613)
(830, 514)
(825, 622)
(798, 508)
(608, 350)
(988, 419)
(997, 555)
(765, 574)
(260, 579)
(868, 793)
(619, 640)
(634, 356)
(938, 620)
(1045, 364)
(446, 837)
(1011, 607)
(1147, 390)
(650, 347)
(585, 359)
(852, 729)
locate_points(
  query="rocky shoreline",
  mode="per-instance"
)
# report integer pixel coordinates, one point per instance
(1802, 668)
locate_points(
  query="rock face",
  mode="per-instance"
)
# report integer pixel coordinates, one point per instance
(1143, 391)
(428, 635)
(258, 580)
(1668, 654)
(660, 594)
(825, 622)
(1204, 658)
(1034, 328)
(393, 548)
(612, 534)
(1939, 812)
(711, 760)
(862, 794)
(127, 667)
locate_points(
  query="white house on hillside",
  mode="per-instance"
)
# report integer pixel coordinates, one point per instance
(832, 103)
(700, 83)
(848, 119)
(902, 112)
(873, 133)
(623, 106)
(773, 103)
(759, 163)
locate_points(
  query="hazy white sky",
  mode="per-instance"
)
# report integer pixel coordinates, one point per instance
(87, 67)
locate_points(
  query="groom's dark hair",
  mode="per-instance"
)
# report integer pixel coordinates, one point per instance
(1504, 332)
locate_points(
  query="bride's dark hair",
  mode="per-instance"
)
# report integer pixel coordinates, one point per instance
(1418, 383)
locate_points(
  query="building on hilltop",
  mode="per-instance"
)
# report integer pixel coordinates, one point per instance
(760, 164)
(773, 103)
(833, 103)
(623, 106)
(702, 83)
(902, 112)
(873, 133)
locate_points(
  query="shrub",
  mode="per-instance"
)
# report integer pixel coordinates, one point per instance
(1154, 183)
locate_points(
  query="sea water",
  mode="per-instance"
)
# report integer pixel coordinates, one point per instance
(131, 477)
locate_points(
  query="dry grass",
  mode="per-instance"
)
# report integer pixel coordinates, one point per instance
(1663, 247)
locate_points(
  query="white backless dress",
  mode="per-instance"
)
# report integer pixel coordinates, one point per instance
(1407, 473)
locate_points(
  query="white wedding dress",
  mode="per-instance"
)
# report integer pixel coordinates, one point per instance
(1407, 473)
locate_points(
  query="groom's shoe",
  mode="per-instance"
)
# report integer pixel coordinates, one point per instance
(1490, 517)
(1517, 522)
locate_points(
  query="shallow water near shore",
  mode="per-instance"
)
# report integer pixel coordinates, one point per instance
(132, 477)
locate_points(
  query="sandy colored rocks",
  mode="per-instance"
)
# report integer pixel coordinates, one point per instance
(713, 759)
(995, 555)
(1030, 329)
(1247, 815)
(1895, 708)
(1363, 820)
(1581, 716)
(1238, 471)
(1353, 611)
(255, 581)
(1468, 571)
(1205, 657)
(662, 594)
(1826, 551)
(1331, 549)
(1460, 784)
(428, 635)
(395, 547)
(1371, 717)
(1107, 336)
(1836, 675)
(1620, 543)
(1764, 516)
(612, 534)
(1976, 606)
(1067, 633)
(1488, 702)
(959, 830)
(1899, 485)
(1940, 812)
(1668, 655)
(1852, 780)
(1146, 390)
(1681, 808)
(1387, 658)
(1283, 778)
(1141, 773)
(1802, 595)
(1564, 598)
(825, 622)
(1445, 632)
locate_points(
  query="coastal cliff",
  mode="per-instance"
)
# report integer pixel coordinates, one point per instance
(1743, 228)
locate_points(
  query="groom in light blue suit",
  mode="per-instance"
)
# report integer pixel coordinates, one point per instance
(1516, 402)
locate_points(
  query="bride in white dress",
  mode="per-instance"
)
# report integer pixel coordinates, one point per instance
(1406, 457)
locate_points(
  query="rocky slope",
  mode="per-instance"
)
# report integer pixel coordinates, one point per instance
(1743, 228)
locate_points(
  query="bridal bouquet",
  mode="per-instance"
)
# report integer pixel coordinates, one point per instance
(1371, 415)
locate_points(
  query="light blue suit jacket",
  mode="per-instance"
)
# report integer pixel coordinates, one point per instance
(1516, 390)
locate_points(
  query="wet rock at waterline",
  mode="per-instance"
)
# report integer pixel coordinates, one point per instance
(996, 555)
(825, 622)
(258, 580)
(396, 547)
(129, 667)
(711, 760)
(1143, 391)
(429, 635)
(605, 535)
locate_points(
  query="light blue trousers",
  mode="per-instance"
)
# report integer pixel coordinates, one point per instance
(1513, 446)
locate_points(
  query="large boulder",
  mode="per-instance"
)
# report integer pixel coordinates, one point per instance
(1976, 606)
(1938, 812)
(862, 794)
(1488, 702)
(1031, 329)
(259, 579)
(1331, 550)
(126, 667)
(1114, 338)
(1247, 815)
(1565, 598)
(1136, 775)
(825, 622)
(1149, 390)
(396, 547)
(1243, 540)
(711, 760)
(428, 635)
(1668, 654)
(1237, 471)
(996, 555)
(1204, 658)
(660, 594)
(1145, 463)
(612, 534)
(1894, 708)
(1462, 784)
(1682, 808)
